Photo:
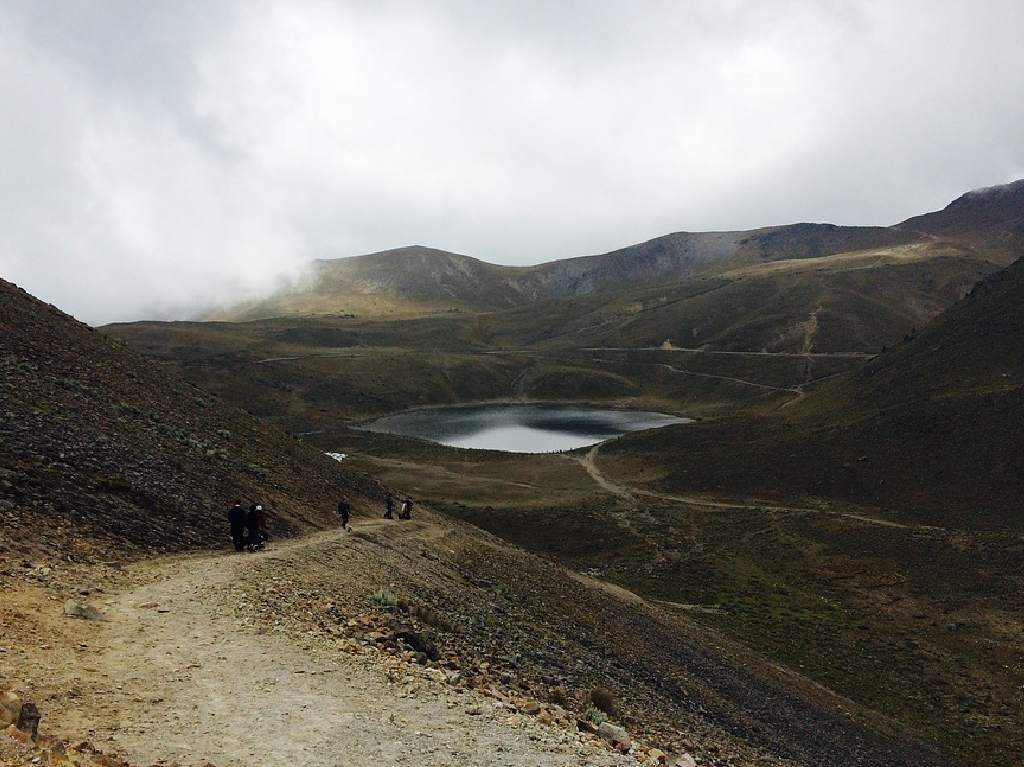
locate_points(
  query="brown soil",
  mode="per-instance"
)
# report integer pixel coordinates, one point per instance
(181, 671)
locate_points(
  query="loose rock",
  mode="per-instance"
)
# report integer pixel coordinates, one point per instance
(615, 735)
(76, 609)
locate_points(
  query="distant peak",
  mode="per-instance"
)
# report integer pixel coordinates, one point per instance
(991, 193)
(1010, 188)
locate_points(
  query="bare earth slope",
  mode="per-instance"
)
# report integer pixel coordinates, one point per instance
(107, 458)
(224, 684)
(193, 648)
(99, 446)
(930, 428)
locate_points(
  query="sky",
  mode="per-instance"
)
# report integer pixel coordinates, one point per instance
(157, 159)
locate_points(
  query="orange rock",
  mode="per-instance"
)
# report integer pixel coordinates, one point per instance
(15, 734)
(10, 708)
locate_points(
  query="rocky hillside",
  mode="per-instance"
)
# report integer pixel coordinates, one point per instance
(99, 446)
(990, 220)
(929, 429)
(984, 225)
(104, 455)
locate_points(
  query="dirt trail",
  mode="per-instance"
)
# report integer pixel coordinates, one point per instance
(633, 509)
(741, 381)
(629, 494)
(696, 350)
(178, 677)
(810, 332)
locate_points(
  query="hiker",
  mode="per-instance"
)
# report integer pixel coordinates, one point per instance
(236, 520)
(256, 521)
(406, 509)
(344, 512)
(389, 507)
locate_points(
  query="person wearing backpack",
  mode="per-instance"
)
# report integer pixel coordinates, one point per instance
(344, 513)
(406, 509)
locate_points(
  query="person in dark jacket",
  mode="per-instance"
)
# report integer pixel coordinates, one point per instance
(406, 509)
(389, 507)
(344, 512)
(236, 521)
(256, 521)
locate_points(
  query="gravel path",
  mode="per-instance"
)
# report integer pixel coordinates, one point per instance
(186, 682)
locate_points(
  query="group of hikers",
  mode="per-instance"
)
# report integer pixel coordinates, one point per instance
(345, 510)
(389, 508)
(249, 526)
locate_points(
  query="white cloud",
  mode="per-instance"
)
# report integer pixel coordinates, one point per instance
(160, 158)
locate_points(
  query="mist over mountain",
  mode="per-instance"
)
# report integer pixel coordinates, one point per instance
(516, 383)
(984, 226)
(168, 160)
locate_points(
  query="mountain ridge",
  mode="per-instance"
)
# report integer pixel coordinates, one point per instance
(416, 279)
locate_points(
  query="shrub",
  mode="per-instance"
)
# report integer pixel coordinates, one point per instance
(559, 696)
(602, 700)
(384, 598)
(593, 714)
(431, 617)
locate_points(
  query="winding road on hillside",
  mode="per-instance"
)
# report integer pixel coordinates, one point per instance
(741, 381)
(694, 350)
(629, 494)
(175, 675)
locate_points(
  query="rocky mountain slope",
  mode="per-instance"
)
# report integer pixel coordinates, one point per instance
(101, 447)
(107, 458)
(990, 220)
(983, 225)
(929, 429)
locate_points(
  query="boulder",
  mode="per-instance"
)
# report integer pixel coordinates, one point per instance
(76, 609)
(417, 641)
(685, 760)
(14, 733)
(10, 709)
(28, 720)
(615, 735)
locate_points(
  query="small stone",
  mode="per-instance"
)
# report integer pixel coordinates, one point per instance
(685, 760)
(75, 609)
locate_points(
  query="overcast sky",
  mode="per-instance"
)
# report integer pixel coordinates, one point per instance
(157, 157)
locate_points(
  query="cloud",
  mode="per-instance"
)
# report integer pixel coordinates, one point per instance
(160, 158)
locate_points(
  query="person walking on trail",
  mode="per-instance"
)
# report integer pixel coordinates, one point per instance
(236, 521)
(256, 521)
(406, 509)
(389, 507)
(344, 512)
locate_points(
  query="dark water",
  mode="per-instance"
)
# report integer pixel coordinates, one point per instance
(519, 428)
